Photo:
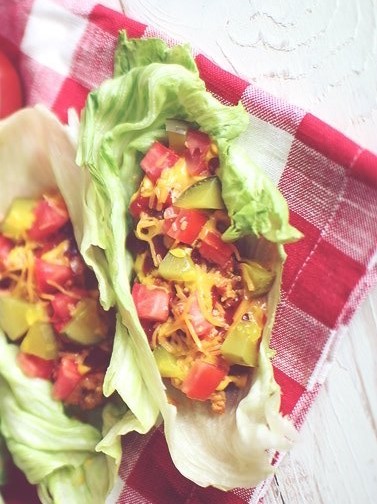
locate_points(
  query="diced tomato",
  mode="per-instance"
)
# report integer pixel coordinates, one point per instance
(47, 275)
(139, 204)
(200, 324)
(34, 366)
(197, 141)
(157, 159)
(214, 249)
(196, 164)
(142, 204)
(170, 213)
(6, 246)
(63, 307)
(202, 380)
(151, 304)
(198, 145)
(67, 378)
(187, 225)
(50, 215)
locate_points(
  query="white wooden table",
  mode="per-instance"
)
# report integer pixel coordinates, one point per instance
(320, 55)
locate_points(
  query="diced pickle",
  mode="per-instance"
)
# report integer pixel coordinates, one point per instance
(40, 340)
(204, 194)
(86, 327)
(241, 345)
(177, 131)
(19, 218)
(17, 316)
(258, 280)
(177, 266)
(167, 364)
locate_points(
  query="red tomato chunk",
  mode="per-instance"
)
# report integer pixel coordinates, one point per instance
(202, 380)
(67, 378)
(214, 249)
(197, 141)
(187, 225)
(200, 324)
(139, 204)
(50, 216)
(157, 159)
(151, 304)
(47, 275)
(198, 145)
(62, 306)
(34, 366)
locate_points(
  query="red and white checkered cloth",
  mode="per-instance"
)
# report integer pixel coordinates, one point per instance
(65, 48)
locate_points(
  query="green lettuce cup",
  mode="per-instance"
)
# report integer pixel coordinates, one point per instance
(121, 121)
(55, 447)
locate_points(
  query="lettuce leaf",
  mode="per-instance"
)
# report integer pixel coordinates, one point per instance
(253, 202)
(150, 51)
(53, 450)
(120, 121)
(93, 221)
(56, 452)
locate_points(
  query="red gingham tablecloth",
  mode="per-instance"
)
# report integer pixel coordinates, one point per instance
(65, 48)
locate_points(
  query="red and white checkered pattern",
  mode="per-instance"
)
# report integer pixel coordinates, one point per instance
(63, 49)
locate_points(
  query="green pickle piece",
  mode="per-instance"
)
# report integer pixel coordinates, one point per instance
(258, 279)
(241, 345)
(177, 266)
(17, 316)
(86, 326)
(177, 132)
(40, 340)
(204, 194)
(167, 364)
(19, 218)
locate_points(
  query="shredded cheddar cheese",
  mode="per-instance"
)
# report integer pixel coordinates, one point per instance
(173, 180)
(147, 229)
(57, 254)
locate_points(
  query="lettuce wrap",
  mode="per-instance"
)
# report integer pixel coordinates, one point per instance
(55, 450)
(153, 83)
